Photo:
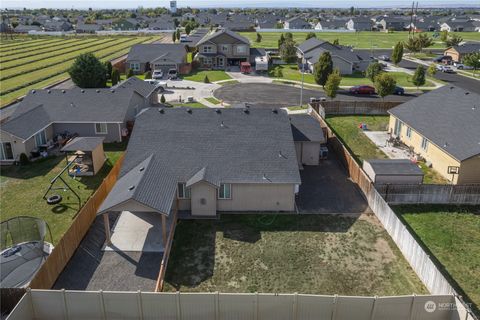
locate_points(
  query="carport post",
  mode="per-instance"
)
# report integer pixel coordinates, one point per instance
(164, 231)
(106, 223)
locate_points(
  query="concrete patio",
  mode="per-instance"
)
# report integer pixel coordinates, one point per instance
(380, 138)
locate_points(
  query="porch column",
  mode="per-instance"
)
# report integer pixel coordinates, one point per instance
(164, 230)
(106, 223)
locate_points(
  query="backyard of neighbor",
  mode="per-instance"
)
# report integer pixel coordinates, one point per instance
(318, 254)
(362, 148)
(452, 234)
(22, 189)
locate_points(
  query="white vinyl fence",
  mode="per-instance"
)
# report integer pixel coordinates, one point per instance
(72, 305)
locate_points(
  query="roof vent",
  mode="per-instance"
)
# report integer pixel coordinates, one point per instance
(63, 91)
(112, 91)
(445, 144)
(467, 93)
(189, 110)
(161, 110)
(72, 105)
(141, 169)
(98, 91)
(452, 88)
(222, 124)
(280, 154)
(218, 111)
(82, 91)
(33, 91)
(49, 91)
(131, 188)
(275, 111)
(246, 111)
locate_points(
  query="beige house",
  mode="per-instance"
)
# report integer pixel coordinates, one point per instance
(222, 48)
(443, 127)
(183, 159)
(458, 52)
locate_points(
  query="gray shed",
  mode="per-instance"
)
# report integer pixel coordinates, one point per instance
(86, 155)
(393, 171)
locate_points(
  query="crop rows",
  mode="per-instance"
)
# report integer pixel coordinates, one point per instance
(23, 49)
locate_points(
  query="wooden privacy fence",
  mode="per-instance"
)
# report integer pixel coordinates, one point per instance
(420, 261)
(354, 107)
(430, 193)
(65, 248)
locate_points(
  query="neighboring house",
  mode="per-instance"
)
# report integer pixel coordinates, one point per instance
(88, 28)
(266, 22)
(158, 56)
(222, 48)
(344, 59)
(44, 114)
(297, 23)
(360, 24)
(199, 171)
(458, 26)
(125, 24)
(161, 25)
(331, 24)
(458, 52)
(238, 25)
(57, 26)
(27, 28)
(443, 127)
(394, 23)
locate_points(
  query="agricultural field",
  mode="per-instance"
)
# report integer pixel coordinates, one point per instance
(359, 40)
(27, 64)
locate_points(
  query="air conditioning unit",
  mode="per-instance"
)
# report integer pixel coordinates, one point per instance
(323, 152)
(190, 99)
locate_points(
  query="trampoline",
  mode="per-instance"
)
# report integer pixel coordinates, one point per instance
(23, 250)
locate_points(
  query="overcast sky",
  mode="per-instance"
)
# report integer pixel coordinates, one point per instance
(81, 4)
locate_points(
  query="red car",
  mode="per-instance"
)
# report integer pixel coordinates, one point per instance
(362, 90)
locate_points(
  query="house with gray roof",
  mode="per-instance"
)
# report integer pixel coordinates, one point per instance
(297, 23)
(44, 114)
(183, 159)
(442, 127)
(88, 27)
(344, 58)
(360, 24)
(458, 52)
(158, 56)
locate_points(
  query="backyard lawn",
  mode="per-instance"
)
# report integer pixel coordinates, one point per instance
(360, 40)
(190, 105)
(22, 189)
(452, 234)
(291, 72)
(213, 75)
(347, 130)
(317, 254)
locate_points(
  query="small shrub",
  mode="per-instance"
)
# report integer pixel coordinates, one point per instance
(129, 73)
(278, 73)
(148, 75)
(206, 80)
(162, 99)
(23, 159)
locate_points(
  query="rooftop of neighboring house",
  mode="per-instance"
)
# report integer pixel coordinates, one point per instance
(39, 108)
(88, 26)
(468, 47)
(169, 146)
(152, 51)
(219, 32)
(448, 117)
(314, 47)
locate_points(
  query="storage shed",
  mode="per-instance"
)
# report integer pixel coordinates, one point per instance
(393, 171)
(308, 137)
(86, 155)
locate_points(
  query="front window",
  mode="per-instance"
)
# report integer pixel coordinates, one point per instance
(398, 127)
(207, 49)
(241, 49)
(224, 192)
(224, 48)
(135, 66)
(6, 152)
(424, 143)
(101, 128)
(40, 138)
(183, 191)
(409, 132)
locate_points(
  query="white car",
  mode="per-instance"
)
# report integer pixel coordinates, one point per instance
(461, 66)
(446, 69)
(157, 74)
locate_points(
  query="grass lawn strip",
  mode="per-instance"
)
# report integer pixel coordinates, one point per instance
(16, 43)
(213, 100)
(316, 254)
(452, 234)
(213, 75)
(22, 189)
(23, 49)
(190, 105)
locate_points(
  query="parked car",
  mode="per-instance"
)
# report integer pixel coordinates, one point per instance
(157, 74)
(384, 58)
(443, 59)
(461, 66)
(399, 91)
(446, 69)
(172, 74)
(362, 90)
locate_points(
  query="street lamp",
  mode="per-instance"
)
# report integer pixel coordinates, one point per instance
(303, 74)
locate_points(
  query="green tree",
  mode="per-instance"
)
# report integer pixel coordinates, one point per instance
(174, 37)
(336, 42)
(418, 78)
(424, 41)
(288, 52)
(281, 40)
(310, 35)
(109, 67)
(413, 45)
(472, 60)
(289, 35)
(444, 36)
(259, 38)
(148, 75)
(385, 85)
(162, 99)
(373, 70)
(323, 68)
(332, 84)
(178, 34)
(453, 40)
(206, 80)
(129, 73)
(397, 53)
(432, 69)
(115, 76)
(188, 28)
(88, 72)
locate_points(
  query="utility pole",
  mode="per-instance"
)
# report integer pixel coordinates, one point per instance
(303, 75)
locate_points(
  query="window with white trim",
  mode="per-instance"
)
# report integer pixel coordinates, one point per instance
(424, 143)
(101, 128)
(41, 138)
(182, 191)
(207, 49)
(6, 152)
(225, 192)
(135, 66)
(409, 132)
(225, 48)
(242, 49)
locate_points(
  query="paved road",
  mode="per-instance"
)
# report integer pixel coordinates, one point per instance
(275, 95)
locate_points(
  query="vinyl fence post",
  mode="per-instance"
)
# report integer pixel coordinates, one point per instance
(65, 308)
(102, 304)
(255, 316)
(179, 309)
(217, 306)
(412, 306)
(334, 309)
(140, 305)
(295, 306)
(374, 308)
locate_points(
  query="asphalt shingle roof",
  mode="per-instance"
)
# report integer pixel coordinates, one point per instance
(395, 167)
(83, 144)
(449, 117)
(149, 52)
(210, 37)
(306, 128)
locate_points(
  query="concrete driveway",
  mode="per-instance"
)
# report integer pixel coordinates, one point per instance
(179, 90)
(326, 189)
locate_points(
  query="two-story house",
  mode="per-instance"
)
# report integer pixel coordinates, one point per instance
(222, 48)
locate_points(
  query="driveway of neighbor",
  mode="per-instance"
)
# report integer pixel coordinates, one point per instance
(326, 189)
(181, 89)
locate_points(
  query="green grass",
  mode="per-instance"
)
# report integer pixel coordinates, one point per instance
(22, 189)
(360, 40)
(431, 176)
(213, 75)
(452, 234)
(224, 83)
(297, 108)
(316, 254)
(190, 105)
(213, 100)
(291, 72)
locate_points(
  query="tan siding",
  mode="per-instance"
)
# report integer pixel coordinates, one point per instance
(310, 153)
(204, 198)
(470, 171)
